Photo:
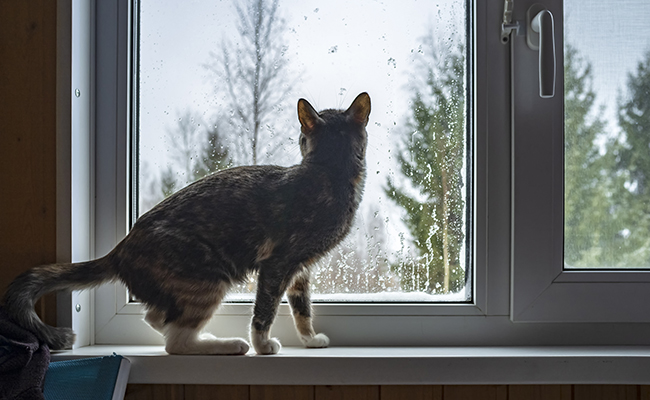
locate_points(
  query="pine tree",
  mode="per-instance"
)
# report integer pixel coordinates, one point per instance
(634, 120)
(633, 163)
(214, 155)
(432, 159)
(167, 183)
(195, 151)
(588, 183)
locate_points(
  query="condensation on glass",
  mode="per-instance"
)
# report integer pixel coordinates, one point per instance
(218, 85)
(607, 134)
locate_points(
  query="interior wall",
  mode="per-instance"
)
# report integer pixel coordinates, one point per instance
(430, 392)
(27, 139)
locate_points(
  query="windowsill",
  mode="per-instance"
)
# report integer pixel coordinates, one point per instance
(387, 365)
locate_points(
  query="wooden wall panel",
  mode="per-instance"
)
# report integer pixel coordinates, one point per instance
(475, 392)
(155, 392)
(539, 392)
(644, 392)
(605, 392)
(347, 392)
(414, 392)
(268, 392)
(215, 392)
(27, 138)
(138, 392)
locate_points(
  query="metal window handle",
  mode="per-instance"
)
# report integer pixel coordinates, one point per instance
(540, 36)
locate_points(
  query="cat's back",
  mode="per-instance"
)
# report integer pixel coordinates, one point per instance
(226, 192)
(225, 219)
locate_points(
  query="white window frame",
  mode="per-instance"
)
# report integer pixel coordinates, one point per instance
(542, 291)
(516, 279)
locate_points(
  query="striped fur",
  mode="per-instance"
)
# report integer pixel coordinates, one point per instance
(28, 287)
(181, 257)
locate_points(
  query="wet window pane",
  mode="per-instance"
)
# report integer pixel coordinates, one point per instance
(218, 87)
(607, 134)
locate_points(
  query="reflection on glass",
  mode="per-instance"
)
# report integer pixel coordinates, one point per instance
(607, 134)
(218, 86)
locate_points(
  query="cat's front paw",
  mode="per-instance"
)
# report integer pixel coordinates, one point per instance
(317, 341)
(266, 347)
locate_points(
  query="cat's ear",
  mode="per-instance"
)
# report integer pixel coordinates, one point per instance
(308, 117)
(360, 109)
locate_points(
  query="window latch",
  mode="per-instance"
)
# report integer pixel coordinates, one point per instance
(540, 36)
(539, 30)
(507, 26)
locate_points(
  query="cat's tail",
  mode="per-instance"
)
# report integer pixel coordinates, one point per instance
(28, 287)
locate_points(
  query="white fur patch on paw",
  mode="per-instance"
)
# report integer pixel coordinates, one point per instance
(270, 346)
(234, 346)
(318, 341)
(188, 341)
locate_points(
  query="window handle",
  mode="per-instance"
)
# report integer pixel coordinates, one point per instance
(540, 36)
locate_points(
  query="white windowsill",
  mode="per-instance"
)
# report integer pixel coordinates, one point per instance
(387, 365)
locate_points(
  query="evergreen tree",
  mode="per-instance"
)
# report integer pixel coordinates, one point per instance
(588, 181)
(167, 183)
(432, 158)
(213, 156)
(633, 164)
(634, 120)
(195, 152)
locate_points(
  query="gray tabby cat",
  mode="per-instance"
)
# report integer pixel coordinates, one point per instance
(181, 257)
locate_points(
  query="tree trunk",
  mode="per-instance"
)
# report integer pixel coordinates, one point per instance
(445, 232)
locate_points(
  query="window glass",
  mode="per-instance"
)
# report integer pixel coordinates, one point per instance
(607, 134)
(218, 86)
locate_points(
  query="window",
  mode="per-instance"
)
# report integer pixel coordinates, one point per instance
(224, 95)
(605, 134)
(516, 222)
(564, 269)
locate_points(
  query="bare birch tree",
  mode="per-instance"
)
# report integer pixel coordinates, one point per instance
(251, 75)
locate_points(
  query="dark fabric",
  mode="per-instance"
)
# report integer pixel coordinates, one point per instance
(23, 362)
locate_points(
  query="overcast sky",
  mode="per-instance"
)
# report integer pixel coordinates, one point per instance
(336, 49)
(339, 48)
(614, 36)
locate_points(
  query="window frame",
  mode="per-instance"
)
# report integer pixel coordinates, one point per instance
(542, 291)
(502, 269)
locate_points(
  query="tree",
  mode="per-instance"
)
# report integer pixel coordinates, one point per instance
(184, 146)
(588, 183)
(432, 158)
(633, 165)
(359, 264)
(196, 150)
(167, 182)
(214, 154)
(252, 76)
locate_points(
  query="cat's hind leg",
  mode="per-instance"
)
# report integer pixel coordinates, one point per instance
(299, 299)
(155, 319)
(189, 340)
(183, 334)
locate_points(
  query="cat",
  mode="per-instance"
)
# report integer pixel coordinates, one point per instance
(183, 255)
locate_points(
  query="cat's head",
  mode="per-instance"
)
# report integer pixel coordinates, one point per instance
(333, 136)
